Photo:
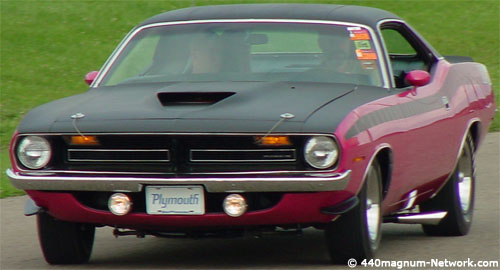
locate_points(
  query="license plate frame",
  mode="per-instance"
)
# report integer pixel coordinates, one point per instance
(175, 200)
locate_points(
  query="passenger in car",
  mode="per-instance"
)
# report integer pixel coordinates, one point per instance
(205, 54)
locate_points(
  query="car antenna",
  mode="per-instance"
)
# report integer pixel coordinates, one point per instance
(283, 117)
(75, 117)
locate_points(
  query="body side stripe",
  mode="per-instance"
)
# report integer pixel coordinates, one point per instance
(396, 112)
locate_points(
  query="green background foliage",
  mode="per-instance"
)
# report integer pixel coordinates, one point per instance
(48, 46)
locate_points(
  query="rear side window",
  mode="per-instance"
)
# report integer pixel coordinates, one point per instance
(396, 44)
(405, 51)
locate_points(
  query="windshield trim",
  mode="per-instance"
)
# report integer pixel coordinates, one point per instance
(111, 60)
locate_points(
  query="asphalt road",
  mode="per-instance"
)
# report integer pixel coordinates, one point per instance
(20, 250)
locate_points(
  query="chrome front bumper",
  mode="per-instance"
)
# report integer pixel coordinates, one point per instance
(225, 183)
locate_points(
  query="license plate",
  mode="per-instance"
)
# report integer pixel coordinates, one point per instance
(175, 200)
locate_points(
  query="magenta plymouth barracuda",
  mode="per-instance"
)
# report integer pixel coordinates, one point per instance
(240, 119)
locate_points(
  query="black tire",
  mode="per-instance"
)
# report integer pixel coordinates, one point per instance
(348, 236)
(64, 242)
(459, 218)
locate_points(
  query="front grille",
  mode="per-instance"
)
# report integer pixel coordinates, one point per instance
(246, 155)
(118, 155)
(177, 154)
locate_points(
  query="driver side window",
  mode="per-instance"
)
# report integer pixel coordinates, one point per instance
(404, 53)
(397, 44)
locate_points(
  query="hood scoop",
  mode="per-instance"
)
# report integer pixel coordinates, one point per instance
(192, 98)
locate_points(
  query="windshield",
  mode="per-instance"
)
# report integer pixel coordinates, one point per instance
(294, 52)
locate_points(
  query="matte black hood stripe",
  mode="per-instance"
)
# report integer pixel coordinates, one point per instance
(396, 112)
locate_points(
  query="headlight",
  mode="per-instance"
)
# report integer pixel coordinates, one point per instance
(34, 152)
(321, 152)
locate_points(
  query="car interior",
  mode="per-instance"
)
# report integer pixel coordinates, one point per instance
(405, 52)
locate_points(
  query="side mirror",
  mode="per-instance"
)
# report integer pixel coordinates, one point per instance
(418, 78)
(90, 77)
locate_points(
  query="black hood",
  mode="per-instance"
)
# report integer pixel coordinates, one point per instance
(186, 107)
(232, 101)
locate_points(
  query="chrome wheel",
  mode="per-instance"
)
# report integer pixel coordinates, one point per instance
(372, 210)
(465, 181)
(456, 197)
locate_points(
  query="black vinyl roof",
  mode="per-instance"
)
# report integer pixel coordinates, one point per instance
(354, 14)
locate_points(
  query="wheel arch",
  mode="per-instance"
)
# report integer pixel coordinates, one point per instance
(385, 160)
(474, 130)
(383, 155)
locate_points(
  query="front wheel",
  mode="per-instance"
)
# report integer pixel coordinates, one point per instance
(64, 242)
(456, 197)
(357, 233)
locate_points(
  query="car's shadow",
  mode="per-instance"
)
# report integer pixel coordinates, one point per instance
(272, 251)
(208, 253)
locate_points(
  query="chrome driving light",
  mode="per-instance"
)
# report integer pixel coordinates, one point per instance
(119, 204)
(34, 152)
(235, 205)
(321, 152)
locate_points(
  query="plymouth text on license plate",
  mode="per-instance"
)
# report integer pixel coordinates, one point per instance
(175, 200)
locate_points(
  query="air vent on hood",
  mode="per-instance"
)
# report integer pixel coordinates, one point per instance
(192, 98)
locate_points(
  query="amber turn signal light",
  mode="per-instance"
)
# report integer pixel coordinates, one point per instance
(273, 140)
(84, 140)
(358, 159)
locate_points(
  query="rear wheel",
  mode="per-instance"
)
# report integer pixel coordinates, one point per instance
(64, 242)
(357, 233)
(456, 197)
